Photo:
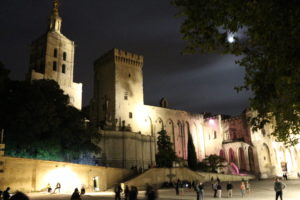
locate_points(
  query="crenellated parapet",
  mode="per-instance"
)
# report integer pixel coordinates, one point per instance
(121, 57)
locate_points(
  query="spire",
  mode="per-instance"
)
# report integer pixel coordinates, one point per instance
(55, 19)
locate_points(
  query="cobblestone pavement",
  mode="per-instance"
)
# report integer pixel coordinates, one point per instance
(260, 190)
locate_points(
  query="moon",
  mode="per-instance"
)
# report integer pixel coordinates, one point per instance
(230, 38)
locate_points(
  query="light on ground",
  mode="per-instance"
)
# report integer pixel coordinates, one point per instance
(65, 176)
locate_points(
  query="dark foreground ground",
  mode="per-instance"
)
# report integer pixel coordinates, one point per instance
(260, 190)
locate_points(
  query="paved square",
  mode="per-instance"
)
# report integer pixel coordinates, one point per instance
(260, 190)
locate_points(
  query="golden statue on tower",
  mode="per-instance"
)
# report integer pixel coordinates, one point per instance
(55, 7)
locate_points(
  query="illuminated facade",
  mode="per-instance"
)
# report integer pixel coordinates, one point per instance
(52, 57)
(129, 127)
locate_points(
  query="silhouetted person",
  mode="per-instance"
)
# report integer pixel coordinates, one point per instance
(199, 191)
(152, 194)
(178, 185)
(279, 187)
(133, 193)
(215, 189)
(49, 189)
(75, 195)
(82, 190)
(219, 190)
(57, 187)
(19, 196)
(118, 191)
(126, 192)
(6, 194)
(229, 188)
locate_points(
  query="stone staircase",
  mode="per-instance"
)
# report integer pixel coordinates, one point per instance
(158, 176)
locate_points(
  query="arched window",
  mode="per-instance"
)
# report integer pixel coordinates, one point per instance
(63, 68)
(64, 56)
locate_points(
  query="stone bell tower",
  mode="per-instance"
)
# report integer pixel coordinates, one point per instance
(118, 90)
(52, 57)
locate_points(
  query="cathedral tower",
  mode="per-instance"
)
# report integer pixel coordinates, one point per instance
(52, 57)
(118, 90)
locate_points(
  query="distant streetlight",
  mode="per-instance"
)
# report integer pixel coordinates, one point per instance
(211, 122)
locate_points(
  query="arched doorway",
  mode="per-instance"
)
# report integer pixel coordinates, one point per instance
(289, 160)
(222, 154)
(251, 159)
(231, 156)
(282, 159)
(242, 159)
(266, 154)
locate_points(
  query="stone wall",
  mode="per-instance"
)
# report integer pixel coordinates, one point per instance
(30, 175)
(225, 177)
(127, 149)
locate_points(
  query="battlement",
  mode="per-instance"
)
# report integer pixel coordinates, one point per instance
(121, 57)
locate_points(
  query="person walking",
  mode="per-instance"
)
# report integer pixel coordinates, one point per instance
(118, 191)
(199, 191)
(177, 186)
(215, 189)
(133, 193)
(229, 188)
(279, 187)
(243, 188)
(76, 195)
(126, 192)
(219, 190)
(247, 185)
(6, 194)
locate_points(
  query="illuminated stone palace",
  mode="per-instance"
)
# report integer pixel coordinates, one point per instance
(129, 128)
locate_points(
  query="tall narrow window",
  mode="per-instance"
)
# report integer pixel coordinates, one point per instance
(63, 68)
(130, 115)
(64, 56)
(54, 66)
(55, 52)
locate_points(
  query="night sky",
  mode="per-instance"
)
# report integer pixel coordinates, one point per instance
(195, 83)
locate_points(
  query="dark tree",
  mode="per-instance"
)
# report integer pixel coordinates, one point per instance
(214, 162)
(165, 155)
(267, 43)
(39, 123)
(192, 157)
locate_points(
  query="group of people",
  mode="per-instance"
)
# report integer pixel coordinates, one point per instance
(5, 195)
(57, 187)
(217, 188)
(129, 194)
